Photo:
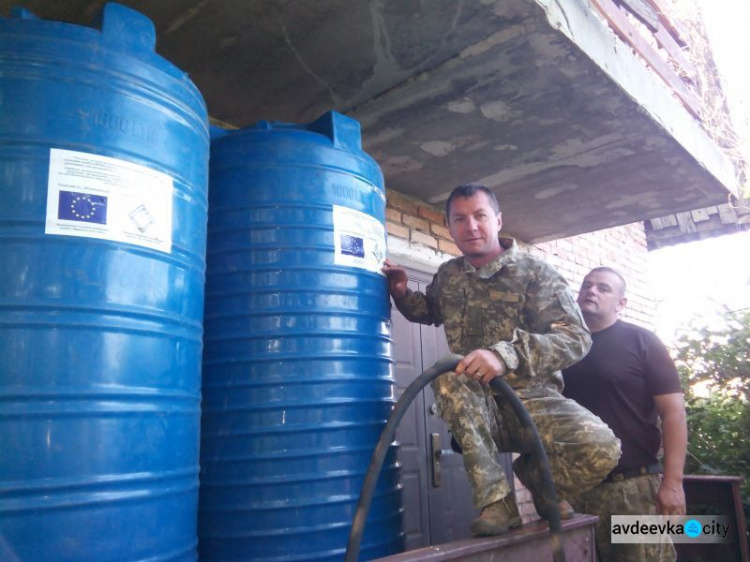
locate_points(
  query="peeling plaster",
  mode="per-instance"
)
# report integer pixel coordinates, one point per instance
(586, 158)
(654, 142)
(499, 7)
(497, 111)
(572, 71)
(575, 147)
(552, 191)
(385, 135)
(469, 142)
(645, 200)
(547, 45)
(557, 16)
(400, 164)
(438, 148)
(406, 96)
(461, 106)
(477, 146)
(502, 36)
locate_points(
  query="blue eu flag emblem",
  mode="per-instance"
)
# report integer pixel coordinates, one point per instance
(83, 207)
(352, 246)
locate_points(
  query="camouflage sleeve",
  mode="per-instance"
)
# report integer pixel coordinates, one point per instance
(553, 335)
(420, 307)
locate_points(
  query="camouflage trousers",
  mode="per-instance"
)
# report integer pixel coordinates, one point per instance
(581, 449)
(634, 496)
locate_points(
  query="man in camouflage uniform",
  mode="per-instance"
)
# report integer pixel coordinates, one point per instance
(629, 379)
(512, 315)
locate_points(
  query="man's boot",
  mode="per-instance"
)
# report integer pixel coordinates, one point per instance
(566, 510)
(497, 518)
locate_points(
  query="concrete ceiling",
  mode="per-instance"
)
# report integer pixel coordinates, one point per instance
(535, 98)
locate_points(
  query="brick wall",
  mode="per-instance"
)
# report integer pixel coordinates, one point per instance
(419, 228)
(419, 223)
(623, 248)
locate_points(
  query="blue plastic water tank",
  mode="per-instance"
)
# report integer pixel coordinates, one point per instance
(103, 180)
(297, 375)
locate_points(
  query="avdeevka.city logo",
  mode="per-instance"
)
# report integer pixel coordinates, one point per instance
(693, 528)
(682, 529)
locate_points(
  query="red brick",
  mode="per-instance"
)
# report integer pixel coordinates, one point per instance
(397, 230)
(440, 231)
(393, 215)
(416, 223)
(423, 239)
(432, 215)
(402, 202)
(448, 247)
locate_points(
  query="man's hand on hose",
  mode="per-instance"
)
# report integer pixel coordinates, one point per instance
(481, 365)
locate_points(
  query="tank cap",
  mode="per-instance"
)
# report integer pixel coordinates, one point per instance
(126, 29)
(344, 131)
(19, 13)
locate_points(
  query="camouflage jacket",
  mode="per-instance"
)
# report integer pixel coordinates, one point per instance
(516, 305)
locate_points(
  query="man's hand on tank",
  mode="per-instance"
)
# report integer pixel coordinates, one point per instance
(397, 280)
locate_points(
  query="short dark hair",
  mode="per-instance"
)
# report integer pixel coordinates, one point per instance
(467, 190)
(605, 269)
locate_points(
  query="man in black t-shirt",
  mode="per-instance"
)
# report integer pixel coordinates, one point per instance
(629, 380)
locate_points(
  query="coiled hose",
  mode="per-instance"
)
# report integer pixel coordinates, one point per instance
(543, 488)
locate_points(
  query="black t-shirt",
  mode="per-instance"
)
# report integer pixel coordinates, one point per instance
(626, 367)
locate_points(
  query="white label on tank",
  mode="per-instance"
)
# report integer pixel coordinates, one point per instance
(101, 197)
(359, 239)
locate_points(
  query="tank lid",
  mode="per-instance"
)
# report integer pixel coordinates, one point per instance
(344, 131)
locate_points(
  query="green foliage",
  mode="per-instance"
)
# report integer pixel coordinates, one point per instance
(715, 371)
(717, 357)
(717, 440)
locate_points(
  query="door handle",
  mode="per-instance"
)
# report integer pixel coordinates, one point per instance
(437, 455)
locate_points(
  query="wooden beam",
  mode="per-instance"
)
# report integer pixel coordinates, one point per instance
(727, 214)
(643, 11)
(686, 223)
(619, 23)
(656, 224)
(678, 31)
(700, 215)
(669, 44)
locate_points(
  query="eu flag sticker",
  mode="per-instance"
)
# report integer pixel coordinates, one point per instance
(352, 246)
(83, 207)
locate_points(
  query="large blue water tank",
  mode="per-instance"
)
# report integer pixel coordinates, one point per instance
(297, 375)
(103, 179)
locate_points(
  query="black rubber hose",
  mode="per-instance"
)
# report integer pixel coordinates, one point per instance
(540, 481)
(449, 363)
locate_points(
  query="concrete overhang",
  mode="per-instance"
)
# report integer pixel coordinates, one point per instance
(536, 98)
